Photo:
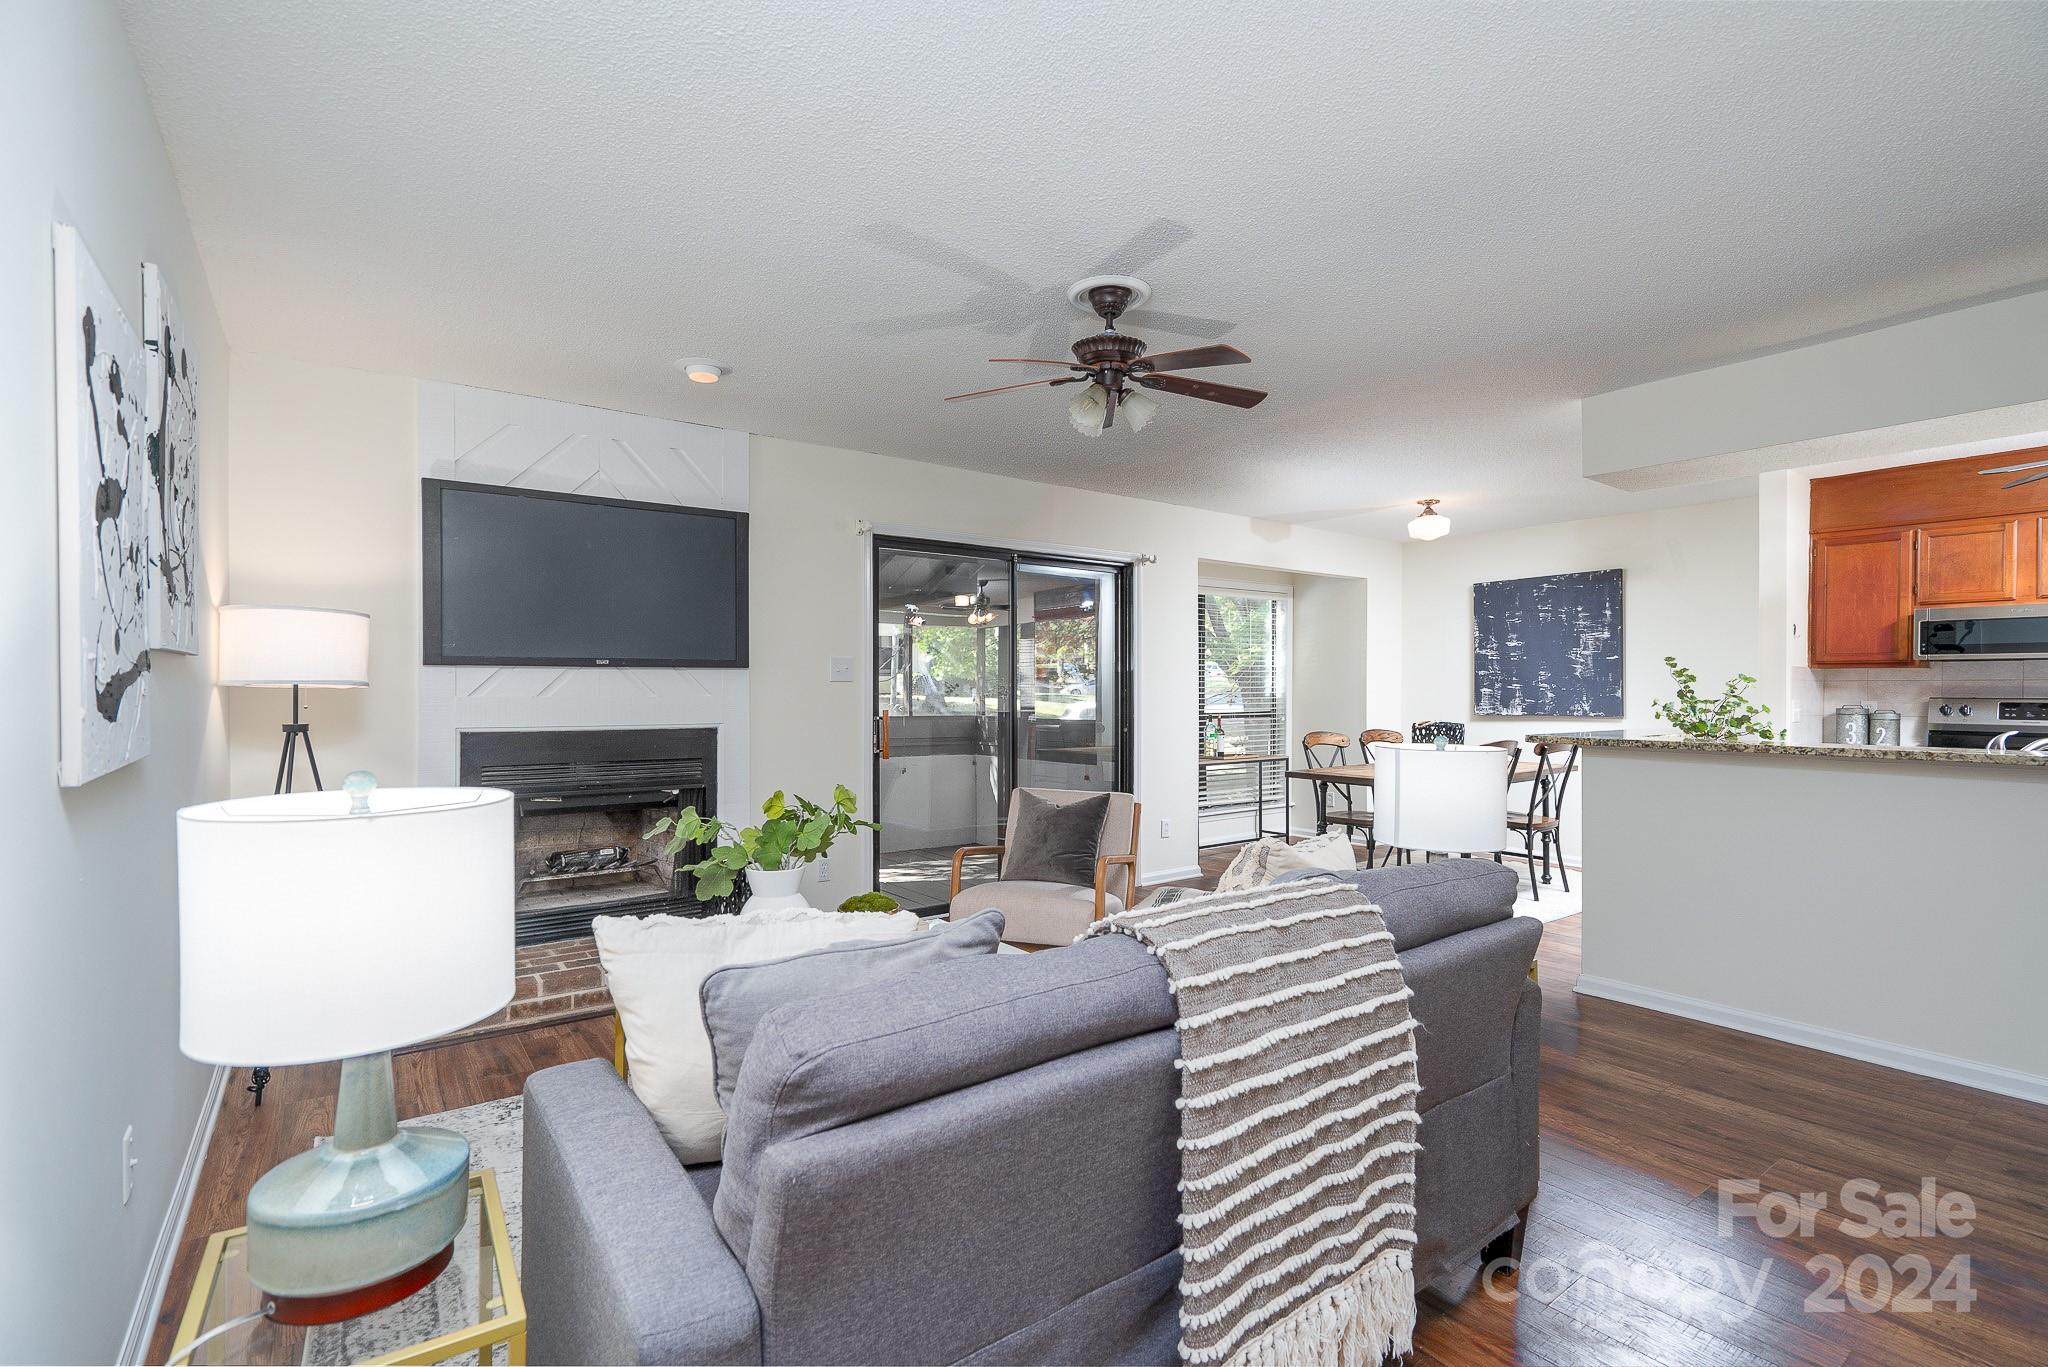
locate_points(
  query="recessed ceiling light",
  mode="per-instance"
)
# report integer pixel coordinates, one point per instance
(703, 370)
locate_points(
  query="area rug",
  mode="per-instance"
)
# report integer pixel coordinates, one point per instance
(1556, 903)
(495, 1134)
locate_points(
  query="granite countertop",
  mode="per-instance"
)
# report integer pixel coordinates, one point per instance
(1903, 754)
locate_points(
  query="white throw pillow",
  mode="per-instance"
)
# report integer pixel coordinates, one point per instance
(655, 965)
(1262, 861)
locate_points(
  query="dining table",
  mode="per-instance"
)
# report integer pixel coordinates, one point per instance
(1321, 776)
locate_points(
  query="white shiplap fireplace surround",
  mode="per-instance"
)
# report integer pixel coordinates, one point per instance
(485, 437)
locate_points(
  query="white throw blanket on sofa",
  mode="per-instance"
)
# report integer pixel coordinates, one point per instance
(1298, 1124)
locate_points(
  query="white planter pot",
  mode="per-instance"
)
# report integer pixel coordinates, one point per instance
(773, 888)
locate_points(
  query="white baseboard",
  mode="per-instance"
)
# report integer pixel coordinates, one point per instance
(1984, 1077)
(1149, 877)
(156, 1279)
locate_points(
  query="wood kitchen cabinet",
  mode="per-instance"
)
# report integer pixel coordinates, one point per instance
(1862, 610)
(1968, 562)
(1939, 534)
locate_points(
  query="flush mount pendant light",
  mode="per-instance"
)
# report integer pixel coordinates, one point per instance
(1429, 524)
(703, 370)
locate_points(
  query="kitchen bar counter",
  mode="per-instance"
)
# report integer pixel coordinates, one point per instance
(1902, 754)
(1887, 904)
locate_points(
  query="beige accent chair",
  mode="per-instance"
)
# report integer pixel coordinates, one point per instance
(1037, 913)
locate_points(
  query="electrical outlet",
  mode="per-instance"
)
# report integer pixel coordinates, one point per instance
(1166, 828)
(824, 867)
(128, 1162)
(839, 669)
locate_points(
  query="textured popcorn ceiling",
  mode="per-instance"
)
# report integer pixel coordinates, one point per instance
(1434, 227)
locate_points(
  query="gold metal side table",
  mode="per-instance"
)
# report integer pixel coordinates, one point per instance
(460, 1324)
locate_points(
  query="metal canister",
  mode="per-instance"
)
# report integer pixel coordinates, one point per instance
(1884, 727)
(1852, 724)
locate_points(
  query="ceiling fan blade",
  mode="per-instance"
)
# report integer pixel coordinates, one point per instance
(1032, 360)
(1064, 379)
(1148, 320)
(2024, 479)
(1204, 389)
(1194, 357)
(2009, 469)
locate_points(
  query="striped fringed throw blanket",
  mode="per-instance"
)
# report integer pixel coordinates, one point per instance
(1298, 1124)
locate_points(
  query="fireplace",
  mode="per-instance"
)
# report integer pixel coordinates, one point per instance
(585, 801)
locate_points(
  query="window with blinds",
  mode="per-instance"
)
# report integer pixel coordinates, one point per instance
(1241, 689)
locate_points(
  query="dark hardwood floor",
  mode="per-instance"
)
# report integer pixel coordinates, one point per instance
(1625, 1261)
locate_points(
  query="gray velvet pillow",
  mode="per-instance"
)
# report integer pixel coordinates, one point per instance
(1054, 843)
(737, 996)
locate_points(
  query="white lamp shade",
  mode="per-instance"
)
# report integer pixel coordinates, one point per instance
(311, 647)
(307, 934)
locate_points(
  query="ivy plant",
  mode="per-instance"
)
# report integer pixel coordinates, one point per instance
(791, 833)
(1734, 715)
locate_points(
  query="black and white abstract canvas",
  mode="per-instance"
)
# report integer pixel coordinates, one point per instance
(1549, 646)
(171, 420)
(103, 501)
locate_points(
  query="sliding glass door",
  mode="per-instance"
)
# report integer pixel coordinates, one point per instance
(991, 670)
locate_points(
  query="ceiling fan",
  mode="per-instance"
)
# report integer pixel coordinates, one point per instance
(2037, 465)
(1116, 369)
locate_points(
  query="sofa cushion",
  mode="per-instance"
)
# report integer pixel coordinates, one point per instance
(1425, 902)
(830, 1062)
(737, 996)
(654, 966)
(1054, 842)
(1035, 913)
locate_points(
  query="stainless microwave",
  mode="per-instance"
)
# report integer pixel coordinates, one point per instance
(2017, 631)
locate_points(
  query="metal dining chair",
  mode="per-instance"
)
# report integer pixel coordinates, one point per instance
(1323, 750)
(1543, 823)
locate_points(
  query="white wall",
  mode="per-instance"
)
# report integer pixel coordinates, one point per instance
(323, 504)
(1689, 589)
(1884, 392)
(89, 982)
(810, 586)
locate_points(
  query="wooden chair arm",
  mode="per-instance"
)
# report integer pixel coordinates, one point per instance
(961, 854)
(1129, 861)
(618, 1043)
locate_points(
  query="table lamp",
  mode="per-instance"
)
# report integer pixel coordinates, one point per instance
(320, 926)
(294, 648)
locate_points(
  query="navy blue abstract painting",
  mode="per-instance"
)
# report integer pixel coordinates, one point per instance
(1548, 646)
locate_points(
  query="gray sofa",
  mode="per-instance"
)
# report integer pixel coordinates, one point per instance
(976, 1163)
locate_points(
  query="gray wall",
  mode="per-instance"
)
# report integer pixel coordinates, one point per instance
(89, 980)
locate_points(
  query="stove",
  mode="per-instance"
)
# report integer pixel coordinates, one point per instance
(1972, 723)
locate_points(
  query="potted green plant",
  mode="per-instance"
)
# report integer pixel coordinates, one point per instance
(792, 832)
(1734, 715)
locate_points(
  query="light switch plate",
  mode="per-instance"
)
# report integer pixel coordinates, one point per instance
(840, 669)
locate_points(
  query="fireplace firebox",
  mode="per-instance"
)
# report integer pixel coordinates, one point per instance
(585, 800)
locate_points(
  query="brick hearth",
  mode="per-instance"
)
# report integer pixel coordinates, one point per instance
(558, 981)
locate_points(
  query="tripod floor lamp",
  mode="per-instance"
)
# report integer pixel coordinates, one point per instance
(295, 648)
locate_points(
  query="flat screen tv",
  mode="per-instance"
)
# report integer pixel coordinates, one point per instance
(520, 577)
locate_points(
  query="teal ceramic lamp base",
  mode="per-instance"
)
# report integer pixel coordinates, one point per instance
(363, 1220)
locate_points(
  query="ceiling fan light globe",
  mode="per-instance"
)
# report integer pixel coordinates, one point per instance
(1088, 410)
(1137, 409)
